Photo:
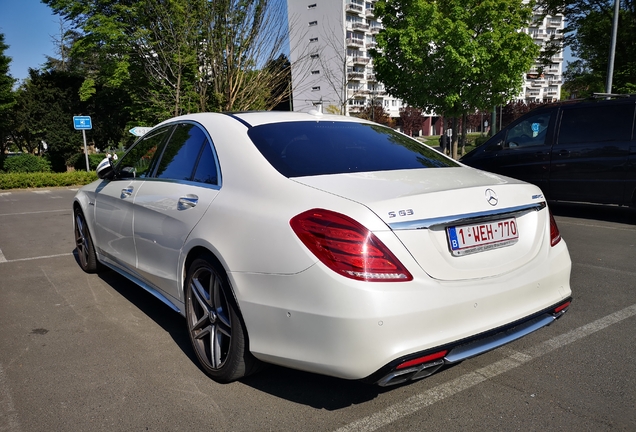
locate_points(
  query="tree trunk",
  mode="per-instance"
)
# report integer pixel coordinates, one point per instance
(454, 139)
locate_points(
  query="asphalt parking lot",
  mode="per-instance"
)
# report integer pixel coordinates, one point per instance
(85, 352)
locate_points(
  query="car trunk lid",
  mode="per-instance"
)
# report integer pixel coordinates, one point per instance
(429, 208)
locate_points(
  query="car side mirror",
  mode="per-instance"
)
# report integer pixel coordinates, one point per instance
(106, 168)
(496, 146)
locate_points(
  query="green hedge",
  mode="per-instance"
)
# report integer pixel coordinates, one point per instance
(26, 163)
(78, 161)
(38, 180)
(480, 140)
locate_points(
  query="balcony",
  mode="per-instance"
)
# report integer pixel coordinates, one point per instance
(375, 29)
(554, 22)
(355, 42)
(371, 77)
(538, 83)
(361, 60)
(372, 44)
(355, 75)
(350, 7)
(360, 26)
(370, 13)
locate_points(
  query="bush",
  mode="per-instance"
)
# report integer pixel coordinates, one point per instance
(78, 161)
(37, 180)
(480, 140)
(26, 163)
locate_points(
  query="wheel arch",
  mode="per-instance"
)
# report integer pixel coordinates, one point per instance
(200, 251)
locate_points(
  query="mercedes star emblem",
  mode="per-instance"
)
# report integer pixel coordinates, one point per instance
(491, 197)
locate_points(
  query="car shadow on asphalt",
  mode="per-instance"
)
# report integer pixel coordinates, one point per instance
(317, 391)
(607, 213)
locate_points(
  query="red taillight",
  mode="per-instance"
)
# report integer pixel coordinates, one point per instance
(347, 247)
(422, 360)
(555, 235)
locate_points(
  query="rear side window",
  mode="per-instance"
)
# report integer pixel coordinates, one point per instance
(206, 171)
(181, 153)
(598, 123)
(298, 149)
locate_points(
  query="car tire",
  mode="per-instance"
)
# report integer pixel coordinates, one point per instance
(84, 244)
(215, 327)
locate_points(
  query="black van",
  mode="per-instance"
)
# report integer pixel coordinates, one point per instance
(574, 151)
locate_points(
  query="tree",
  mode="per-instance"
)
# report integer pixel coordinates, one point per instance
(177, 57)
(7, 99)
(376, 113)
(453, 56)
(45, 105)
(588, 33)
(411, 119)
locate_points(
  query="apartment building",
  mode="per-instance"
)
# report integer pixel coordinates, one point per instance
(331, 65)
(541, 83)
(329, 50)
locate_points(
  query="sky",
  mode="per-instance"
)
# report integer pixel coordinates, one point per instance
(28, 27)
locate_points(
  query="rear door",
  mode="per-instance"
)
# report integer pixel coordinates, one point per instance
(629, 195)
(171, 202)
(590, 155)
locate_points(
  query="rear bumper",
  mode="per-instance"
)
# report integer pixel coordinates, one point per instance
(320, 322)
(393, 374)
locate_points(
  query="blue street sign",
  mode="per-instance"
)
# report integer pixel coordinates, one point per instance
(82, 122)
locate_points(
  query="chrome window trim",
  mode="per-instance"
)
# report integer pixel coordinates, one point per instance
(183, 182)
(466, 218)
(210, 141)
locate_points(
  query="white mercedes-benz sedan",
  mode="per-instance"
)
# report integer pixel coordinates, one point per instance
(323, 243)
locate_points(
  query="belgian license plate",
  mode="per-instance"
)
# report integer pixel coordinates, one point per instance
(469, 239)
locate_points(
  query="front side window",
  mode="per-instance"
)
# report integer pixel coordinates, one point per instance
(531, 131)
(299, 149)
(141, 158)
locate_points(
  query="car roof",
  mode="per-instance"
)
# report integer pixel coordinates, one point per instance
(257, 118)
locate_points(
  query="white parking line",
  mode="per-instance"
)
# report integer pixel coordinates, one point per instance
(4, 260)
(34, 212)
(417, 402)
(8, 414)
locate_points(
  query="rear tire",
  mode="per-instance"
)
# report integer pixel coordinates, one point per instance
(84, 244)
(215, 327)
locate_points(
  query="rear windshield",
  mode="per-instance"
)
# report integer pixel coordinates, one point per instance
(298, 149)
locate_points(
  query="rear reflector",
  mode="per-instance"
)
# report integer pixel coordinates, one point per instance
(422, 360)
(555, 235)
(346, 247)
(562, 307)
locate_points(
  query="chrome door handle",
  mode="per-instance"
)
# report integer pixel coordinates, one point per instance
(187, 202)
(126, 192)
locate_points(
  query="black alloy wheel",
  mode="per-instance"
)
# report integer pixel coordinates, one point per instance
(216, 330)
(84, 244)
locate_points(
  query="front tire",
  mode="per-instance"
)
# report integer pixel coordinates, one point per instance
(215, 327)
(84, 244)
